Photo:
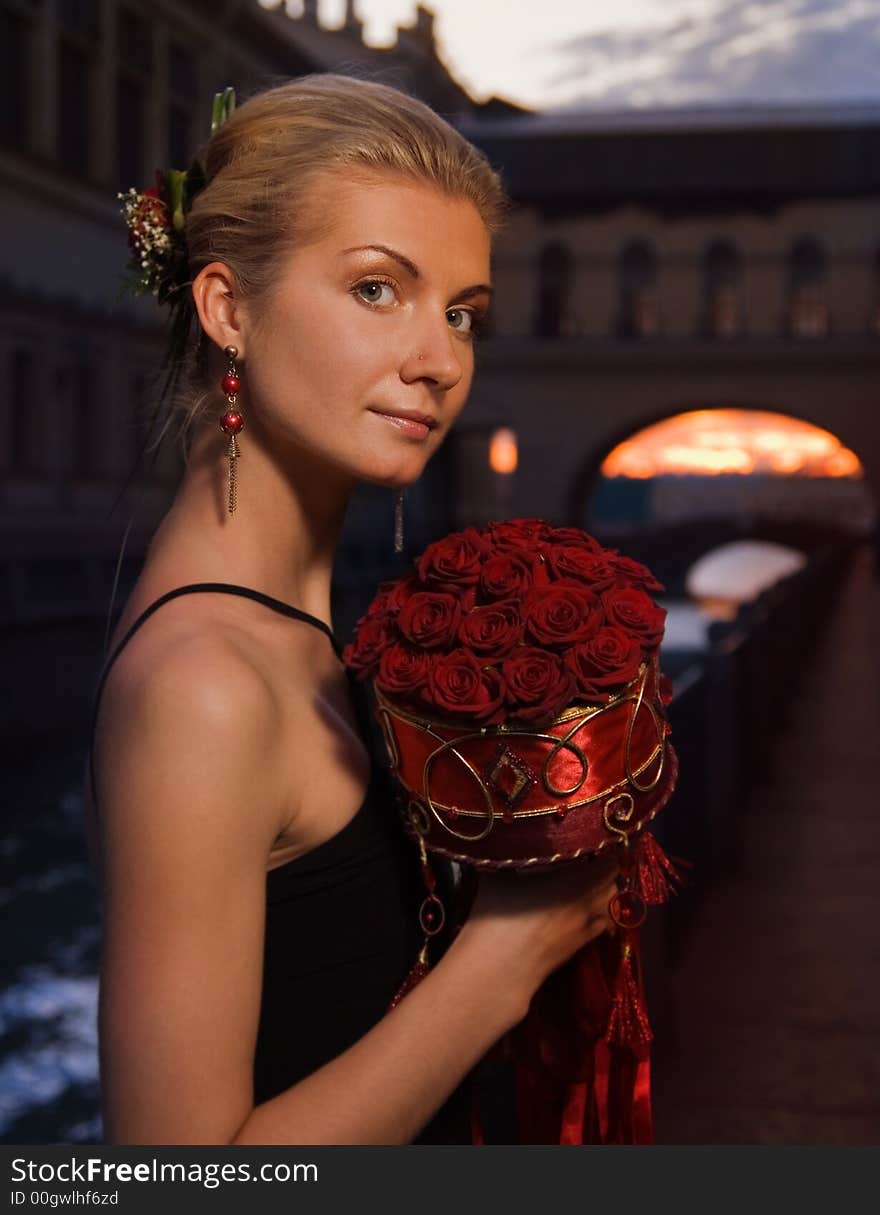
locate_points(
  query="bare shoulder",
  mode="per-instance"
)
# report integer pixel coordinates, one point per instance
(185, 744)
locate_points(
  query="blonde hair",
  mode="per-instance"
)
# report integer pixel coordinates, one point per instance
(259, 166)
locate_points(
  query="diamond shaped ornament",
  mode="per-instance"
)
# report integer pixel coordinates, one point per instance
(511, 778)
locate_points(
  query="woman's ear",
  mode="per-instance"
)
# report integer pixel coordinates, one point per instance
(219, 309)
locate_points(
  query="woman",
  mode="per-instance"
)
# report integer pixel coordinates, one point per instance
(258, 904)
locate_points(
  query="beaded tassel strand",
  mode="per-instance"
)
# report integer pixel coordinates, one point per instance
(231, 423)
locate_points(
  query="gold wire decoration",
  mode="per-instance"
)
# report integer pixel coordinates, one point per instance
(578, 715)
(390, 740)
(621, 814)
(417, 817)
(426, 771)
(661, 736)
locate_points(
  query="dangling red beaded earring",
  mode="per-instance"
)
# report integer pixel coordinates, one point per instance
(232, 422)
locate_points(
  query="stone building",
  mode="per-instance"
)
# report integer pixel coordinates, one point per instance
(96, 94)
(655, 262)
(666, 261)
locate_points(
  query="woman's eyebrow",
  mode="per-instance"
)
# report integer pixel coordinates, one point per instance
(478, 289)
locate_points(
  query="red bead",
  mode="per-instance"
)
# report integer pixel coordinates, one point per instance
(231, 384)
(627, 909)
(231, 422)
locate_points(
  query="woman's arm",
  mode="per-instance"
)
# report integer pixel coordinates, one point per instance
(386, 1086)
(188, 797)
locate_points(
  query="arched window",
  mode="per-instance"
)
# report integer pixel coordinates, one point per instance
(639, 315)
(555, 281)
(807, 275)
(722, 290)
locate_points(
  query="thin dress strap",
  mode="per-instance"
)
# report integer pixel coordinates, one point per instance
(229, 588)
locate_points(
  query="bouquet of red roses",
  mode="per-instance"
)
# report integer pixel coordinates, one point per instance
(517, 684)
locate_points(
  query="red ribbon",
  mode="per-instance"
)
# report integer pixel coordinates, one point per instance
(582, 1053)
(573, 1086)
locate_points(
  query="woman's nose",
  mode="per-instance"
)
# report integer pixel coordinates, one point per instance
(434, 357)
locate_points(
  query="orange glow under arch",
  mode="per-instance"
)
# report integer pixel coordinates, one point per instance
(725, 441)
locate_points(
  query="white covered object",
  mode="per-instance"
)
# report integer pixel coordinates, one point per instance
(739, 571)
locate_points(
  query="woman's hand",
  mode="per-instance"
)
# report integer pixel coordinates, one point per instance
(529, 922)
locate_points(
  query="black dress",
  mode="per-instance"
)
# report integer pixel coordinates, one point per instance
(341, 921)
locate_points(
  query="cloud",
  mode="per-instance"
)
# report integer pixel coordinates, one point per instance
(785, 51)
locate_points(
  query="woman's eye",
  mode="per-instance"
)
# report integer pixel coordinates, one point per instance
(464, 319)
(371, 291)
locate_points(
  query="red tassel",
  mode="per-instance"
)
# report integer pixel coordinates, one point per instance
(628, 1024)
(654, 871)
(415, 976)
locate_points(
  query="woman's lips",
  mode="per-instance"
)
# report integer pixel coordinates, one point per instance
(418, 430)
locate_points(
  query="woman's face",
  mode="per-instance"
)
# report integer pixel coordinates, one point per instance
(377, 316)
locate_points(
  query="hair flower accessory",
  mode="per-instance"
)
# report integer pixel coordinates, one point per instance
(156, 220)
(151, 239)
(516, 681)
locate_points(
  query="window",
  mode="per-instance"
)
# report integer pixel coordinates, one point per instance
(14, 56)
(22, 411)
(78, 382)
(807, 305)
(135, 59)
(722, 290)
(639, 313)
(134, 42)
(555, 280)
(874, 319)
(139, 422)
(183, 81)
(79, 17)
(77, 37)
(131, 100)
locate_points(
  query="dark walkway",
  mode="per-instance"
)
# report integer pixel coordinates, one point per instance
(772, 1030)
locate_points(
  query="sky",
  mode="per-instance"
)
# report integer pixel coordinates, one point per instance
(610, 54)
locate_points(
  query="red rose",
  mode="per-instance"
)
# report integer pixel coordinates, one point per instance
(609, 658)
(379, 604)
(562, 613)
(492, 630)
(583, 564)
(429, 619)
(634, 610)
(507, 574)
(460, 687)
(468, 598)
(392, 595)
(371, 638)
(518, 533)
(402, 670)
(539, 685)
(453, 562)
(580, 539)
(633, 573)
